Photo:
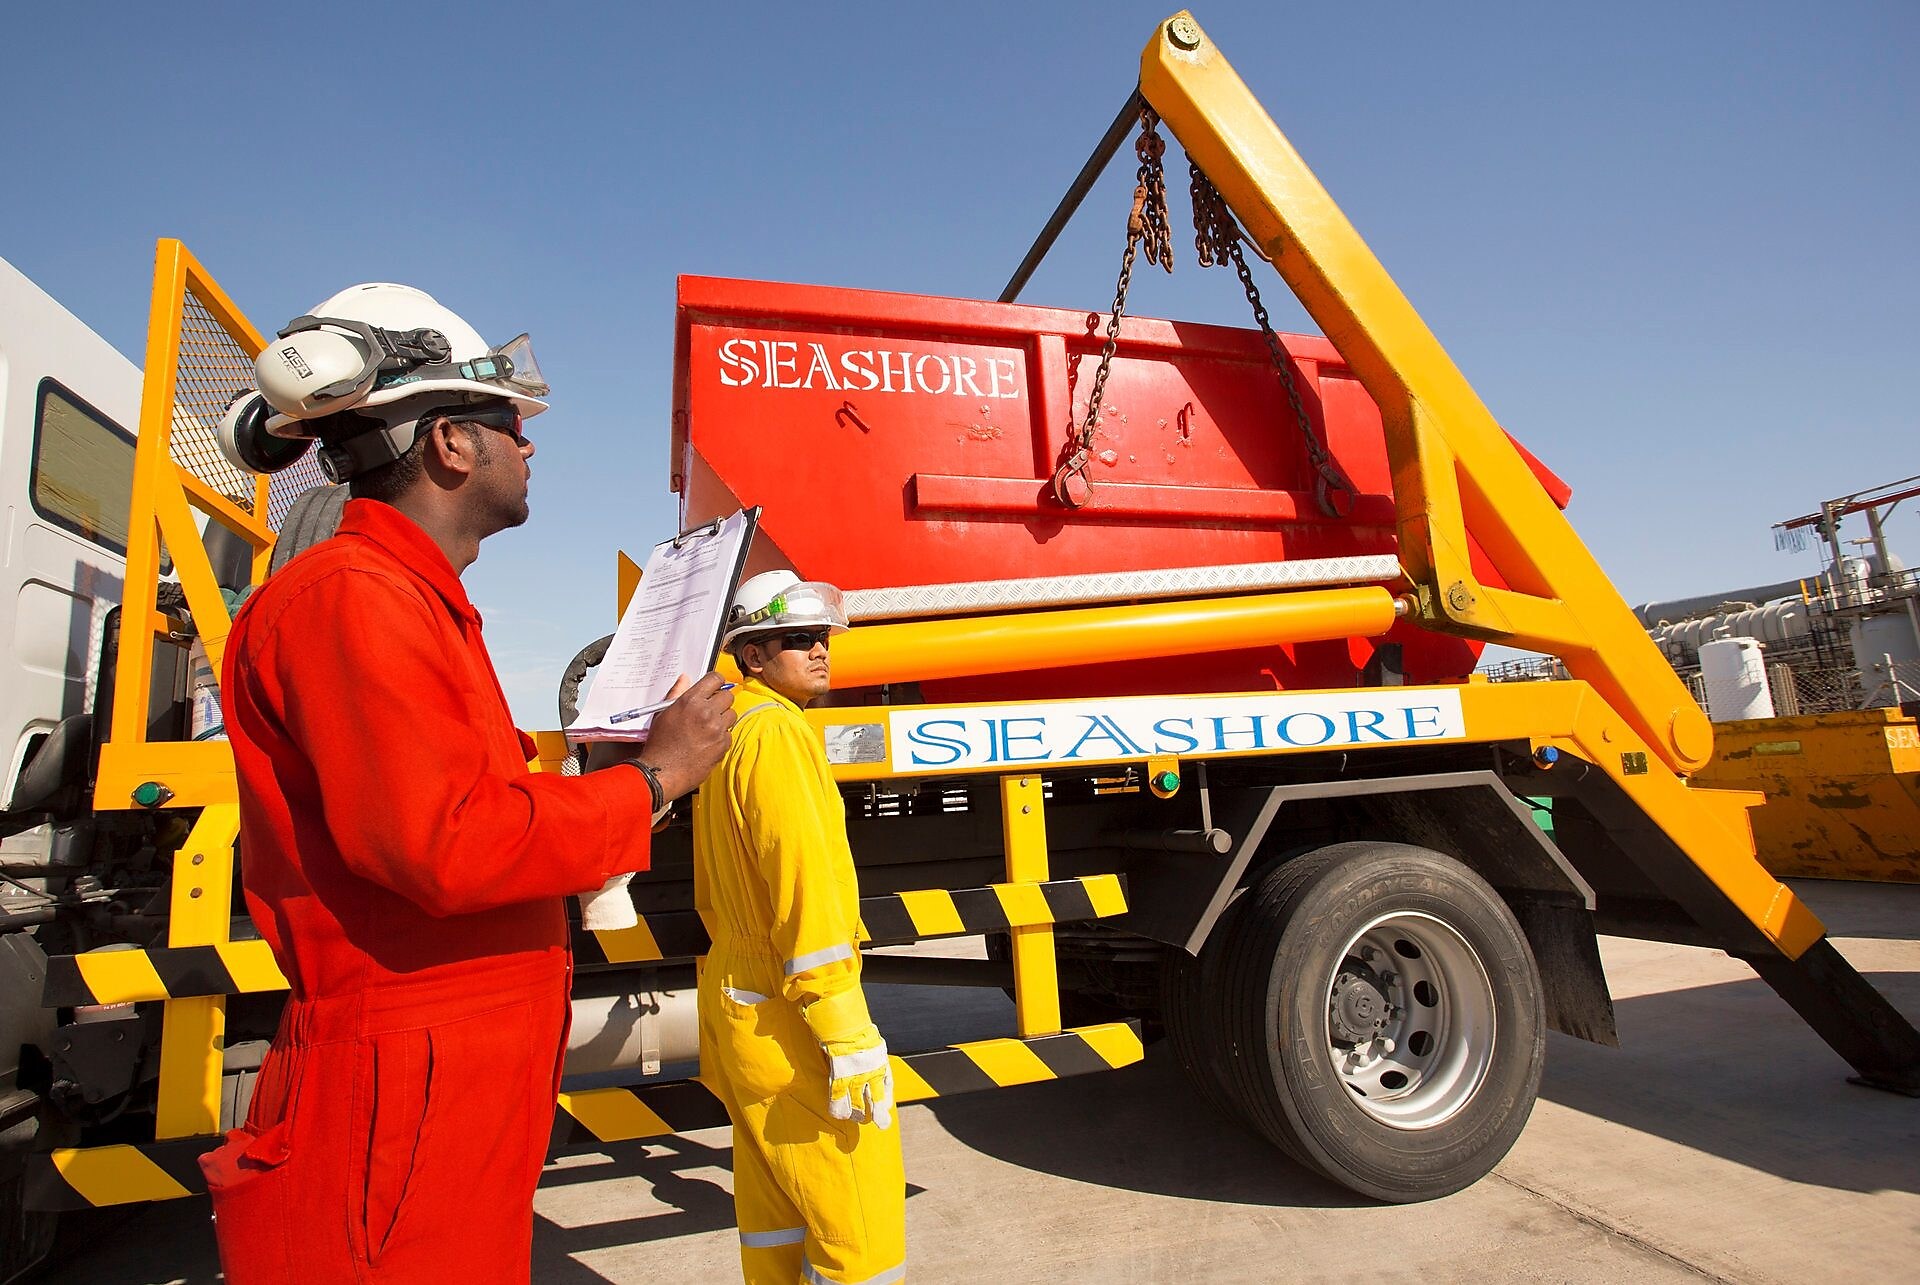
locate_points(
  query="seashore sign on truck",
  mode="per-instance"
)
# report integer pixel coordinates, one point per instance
(1088, 732)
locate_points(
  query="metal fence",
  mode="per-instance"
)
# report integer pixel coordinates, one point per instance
(1798, 687)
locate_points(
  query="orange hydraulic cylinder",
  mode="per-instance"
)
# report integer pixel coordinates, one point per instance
(962, 647)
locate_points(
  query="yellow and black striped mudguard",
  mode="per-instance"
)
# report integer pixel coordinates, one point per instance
(245, 967)
(86, 1177)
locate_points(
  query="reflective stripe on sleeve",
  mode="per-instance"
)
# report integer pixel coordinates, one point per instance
(892, 1274)
(813, 959)
(769, 1239)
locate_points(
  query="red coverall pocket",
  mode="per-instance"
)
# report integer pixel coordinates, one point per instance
(249, 1178)
(396, 1087)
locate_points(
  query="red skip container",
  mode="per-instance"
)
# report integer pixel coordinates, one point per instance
(897, 439)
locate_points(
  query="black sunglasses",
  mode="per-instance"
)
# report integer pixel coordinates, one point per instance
(503, 418)
(797, 640)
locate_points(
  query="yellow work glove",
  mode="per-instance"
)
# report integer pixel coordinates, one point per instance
(859, 1074)
(860, 1079)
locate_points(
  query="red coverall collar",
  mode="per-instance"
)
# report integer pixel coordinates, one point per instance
(401, 536)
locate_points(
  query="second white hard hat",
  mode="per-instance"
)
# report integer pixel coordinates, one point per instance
(777, 600)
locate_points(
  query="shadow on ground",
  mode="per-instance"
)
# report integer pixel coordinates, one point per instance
(1139, 1129)
(1731, 1071)
(1727, 1070)
(169, 1240)
(698, 1204)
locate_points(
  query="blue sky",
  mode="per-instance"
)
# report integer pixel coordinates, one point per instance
(1673, 245)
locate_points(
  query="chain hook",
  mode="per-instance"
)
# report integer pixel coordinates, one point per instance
(1147, 228)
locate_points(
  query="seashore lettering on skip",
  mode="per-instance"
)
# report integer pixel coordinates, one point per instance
(1079, 731)
(791, 364)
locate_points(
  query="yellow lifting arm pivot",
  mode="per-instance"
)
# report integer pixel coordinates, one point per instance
(1453, 467)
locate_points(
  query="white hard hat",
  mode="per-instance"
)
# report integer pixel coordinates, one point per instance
(379, 343)
(362, 371)
(777, 600)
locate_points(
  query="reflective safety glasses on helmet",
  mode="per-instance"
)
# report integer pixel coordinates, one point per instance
(813, 599)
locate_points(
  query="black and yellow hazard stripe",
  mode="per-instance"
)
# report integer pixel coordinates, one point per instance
(121, 1174)
(672, 934)
(888, 918)
(1003, 1063)
(127, 976)
(622, 1115)
(245, 967)
(940, 912)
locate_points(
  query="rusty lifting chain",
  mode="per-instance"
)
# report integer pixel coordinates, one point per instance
(1147, 228)
(1217, 240)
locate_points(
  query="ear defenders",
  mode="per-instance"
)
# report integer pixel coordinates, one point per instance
(366, 442)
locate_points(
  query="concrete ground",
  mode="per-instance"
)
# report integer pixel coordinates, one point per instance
(1720, 1142)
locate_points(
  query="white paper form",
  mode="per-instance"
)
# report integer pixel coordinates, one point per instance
(671, 627)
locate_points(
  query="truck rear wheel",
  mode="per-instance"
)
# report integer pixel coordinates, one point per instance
(1382, 1019)
(1189, 1006)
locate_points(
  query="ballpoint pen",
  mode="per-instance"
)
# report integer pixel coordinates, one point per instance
(627, 716)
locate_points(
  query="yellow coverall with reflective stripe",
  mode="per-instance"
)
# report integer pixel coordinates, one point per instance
(816, 1199)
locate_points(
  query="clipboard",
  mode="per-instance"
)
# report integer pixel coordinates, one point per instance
(672, 626)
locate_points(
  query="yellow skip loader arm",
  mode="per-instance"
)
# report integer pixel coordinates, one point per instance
(1452, 467)
(1452, 464)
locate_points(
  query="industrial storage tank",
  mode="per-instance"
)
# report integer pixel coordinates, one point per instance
(1734, 671)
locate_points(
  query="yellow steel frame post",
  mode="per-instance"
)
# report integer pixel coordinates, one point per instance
(1036, 979)
(164, 495)
(193, 1036)
(1452, 465)
(199, 774)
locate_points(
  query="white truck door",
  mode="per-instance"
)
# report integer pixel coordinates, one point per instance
(68, 401)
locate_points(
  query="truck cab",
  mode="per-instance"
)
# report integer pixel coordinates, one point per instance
(68, 403)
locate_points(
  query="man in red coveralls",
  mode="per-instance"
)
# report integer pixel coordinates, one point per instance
(403, 863)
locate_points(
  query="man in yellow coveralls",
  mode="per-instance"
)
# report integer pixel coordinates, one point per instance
(786, 1041)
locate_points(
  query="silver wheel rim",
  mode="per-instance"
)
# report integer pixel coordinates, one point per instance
(1410, 1020)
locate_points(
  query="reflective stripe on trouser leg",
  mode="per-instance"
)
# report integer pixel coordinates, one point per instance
(766, 1257)
(847, 1179)
(897, 1273)
(769, 1239)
